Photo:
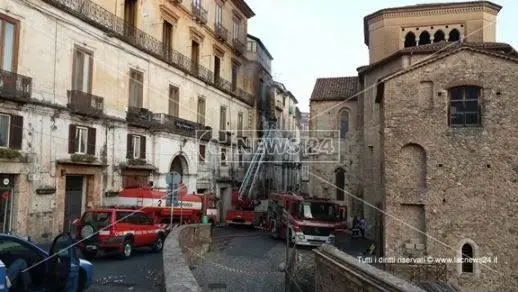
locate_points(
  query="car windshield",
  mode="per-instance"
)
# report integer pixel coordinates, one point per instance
(98, 219)
(318, 211)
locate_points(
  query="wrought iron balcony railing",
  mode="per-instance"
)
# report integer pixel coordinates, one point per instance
(139, 116)
(115, 26)
(239, 45)
(221, 31)
(200, 13)
(205, 134)
(85, 103)
(15, 87)
(182, 127)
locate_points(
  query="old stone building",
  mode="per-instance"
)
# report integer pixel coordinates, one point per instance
(97, 95)
(437, 125)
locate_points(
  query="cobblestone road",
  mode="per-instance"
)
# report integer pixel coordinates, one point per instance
(242, 260)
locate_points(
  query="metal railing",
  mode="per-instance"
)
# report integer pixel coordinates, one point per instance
(221, 31)
(15, 86)
(239, 45)
(115, 26)
(85, 103)
(199, 12)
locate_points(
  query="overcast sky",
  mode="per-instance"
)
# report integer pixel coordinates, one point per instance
(310, 39)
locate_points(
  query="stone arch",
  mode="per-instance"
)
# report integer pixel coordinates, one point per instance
(465, 247)
(439, 36)
(454, 35)
(180, 165)
(424, 38)
(343, 122)
(340, 183)
(410, 40)
(412, 169)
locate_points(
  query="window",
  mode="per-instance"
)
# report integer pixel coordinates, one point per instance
(340, 184)
(11, 131)
(174, 101)
(235, 69)
(136, 147)
(11, 249)
(136, 89)
(167, 39)
(344, 123)
(467, 258)
(240, 124)
(130, 17)
(81, 140)
(219, 15)
(438, 36)
(195, 56)
(196, 3)
(217, 69)
(8, 43)
(201, 153)
(240, 159)
(201, 110)
(454, 35)
(223, 156)
(235, 29)
(424, 38)
(82, 70)
(410, 40)
(464, 106)
(223, 118)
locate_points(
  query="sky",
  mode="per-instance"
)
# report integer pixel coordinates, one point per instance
(309, 39)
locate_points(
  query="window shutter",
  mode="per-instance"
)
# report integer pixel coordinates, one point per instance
(71, 139)
(16, 132)
(129, 151)
(143, 147)
(90, 149)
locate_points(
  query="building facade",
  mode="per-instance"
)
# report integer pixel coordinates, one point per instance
(119, 95)
(436, 120)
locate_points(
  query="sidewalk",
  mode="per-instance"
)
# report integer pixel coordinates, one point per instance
(352, 246)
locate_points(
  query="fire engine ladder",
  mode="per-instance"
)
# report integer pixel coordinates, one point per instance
(252, 172)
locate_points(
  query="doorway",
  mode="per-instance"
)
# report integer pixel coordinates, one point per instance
(6, 202)
(74, 200)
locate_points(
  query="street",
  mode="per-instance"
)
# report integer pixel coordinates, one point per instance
(243, 260)
(142, 272)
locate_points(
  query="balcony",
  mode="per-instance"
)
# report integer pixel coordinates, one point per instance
(15, 87)
(205, 134)
(239, 45)
(200, 13)
(85, 103)
(244, 96)
(225, 137)
(221, 31)
(177, 125)
(139, 117)
(115, 26)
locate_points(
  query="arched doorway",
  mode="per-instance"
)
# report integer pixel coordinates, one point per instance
(179, 164)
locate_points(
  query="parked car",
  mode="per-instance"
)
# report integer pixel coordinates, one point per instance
(119, 230)
(59, 269)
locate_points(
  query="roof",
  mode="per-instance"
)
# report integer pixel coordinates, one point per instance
(422, 7)
(293, 97)
(241, 5)
(502, 48)
(511, 55)
(261, 44)
(335, 88)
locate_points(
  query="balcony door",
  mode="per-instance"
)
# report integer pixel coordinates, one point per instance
(130, 17)
(8, 43)
(195, 56)
(82, 71)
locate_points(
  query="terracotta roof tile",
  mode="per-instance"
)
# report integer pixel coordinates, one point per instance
(335, 88)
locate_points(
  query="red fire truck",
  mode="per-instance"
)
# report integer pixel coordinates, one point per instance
(153, 201)
(246, 211)
(306, 221)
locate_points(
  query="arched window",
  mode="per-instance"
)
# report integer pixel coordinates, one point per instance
(344, 123)
(340, 184)
(465, 110)
(438, 36)
(467, 256)
(410, 40)
(424, 38)
(454, 35)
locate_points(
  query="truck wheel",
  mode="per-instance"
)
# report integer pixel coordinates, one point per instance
(158, 246)
(127, 249)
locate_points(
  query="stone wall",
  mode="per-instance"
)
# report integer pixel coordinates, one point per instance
(338, 271)
(184, 245)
